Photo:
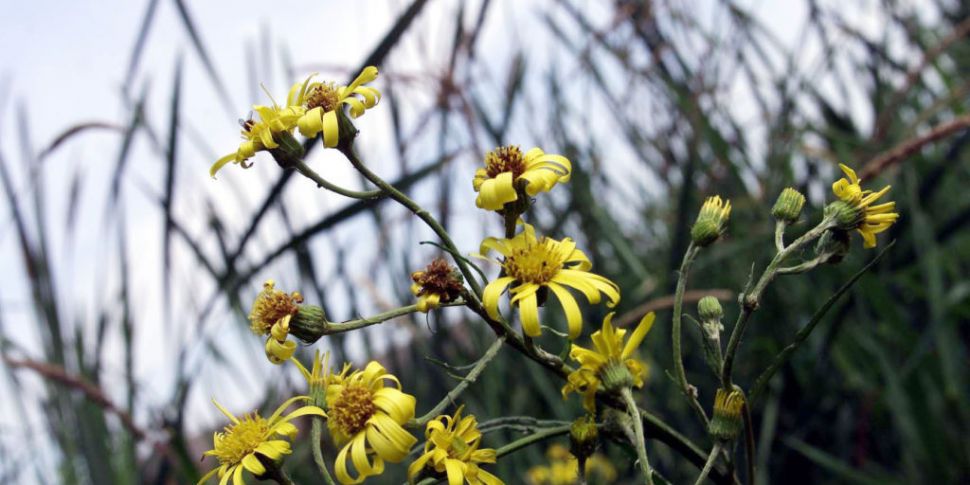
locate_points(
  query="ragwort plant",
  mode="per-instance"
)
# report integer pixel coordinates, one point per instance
(369, 415)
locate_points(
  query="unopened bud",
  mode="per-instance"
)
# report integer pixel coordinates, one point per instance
(788, 206)
(709, 308)
(309, 323)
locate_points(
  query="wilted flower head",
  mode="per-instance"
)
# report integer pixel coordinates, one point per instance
(271, 314)
(436, 284)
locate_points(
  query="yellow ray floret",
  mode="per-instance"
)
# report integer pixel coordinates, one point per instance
(876, 218)
(532, 265)
(322, 100)
(452, 447)
(506, 168)
(366, 419)
(608, 350)
(260, 134)
(239, 446)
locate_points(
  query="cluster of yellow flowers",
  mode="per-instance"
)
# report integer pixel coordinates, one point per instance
(366, 411)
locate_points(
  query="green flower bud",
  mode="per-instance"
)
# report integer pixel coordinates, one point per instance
(726, 422)
(289, 150)
(711, 221)
(709, 308)
(309, 323)
(788, 206)
(616, 376)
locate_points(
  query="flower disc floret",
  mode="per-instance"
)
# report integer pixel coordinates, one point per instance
(608, 358)
(507, 168)
(532, 264)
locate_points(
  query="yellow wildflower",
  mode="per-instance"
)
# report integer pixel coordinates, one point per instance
(322, 100)
(563, 468)
(532, 266)
(874, 218)
(506, 166)
(239, 444)
(611, 364)
(262, 134)
(452, 448)
(438, 283)
(270, 315)
(366, 420)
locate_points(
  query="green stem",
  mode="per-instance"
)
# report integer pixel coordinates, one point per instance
(641, 443)
(411, 205)
(780, 235)
(532, 439)
(471, 377)
(308, 172)
(760, 384)
(679, 371)
(379, 318)
(750, 300)
(710, 463)
(316, 434)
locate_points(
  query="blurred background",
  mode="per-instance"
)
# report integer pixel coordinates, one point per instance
(128, 272)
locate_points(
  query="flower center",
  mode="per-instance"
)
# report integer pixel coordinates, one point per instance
(536, 263)
(270, 306)
(505, 159)
(241, 439)
(352, 409)
(458, 447)
(324, 95)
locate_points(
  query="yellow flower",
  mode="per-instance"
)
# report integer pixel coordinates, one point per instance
(270, 315)
(239, 444)
(366, 418)
(452, 448)
(611, 364)
(505, 167)
(563, 468)
(322, 100)
(875, 218)
(533, 266)
(438, 283)
(262, 134)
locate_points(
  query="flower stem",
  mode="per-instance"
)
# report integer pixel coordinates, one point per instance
(471, 377)
(641, 443)
(711, 459)
(780, 235)
(316, 434)
(531, 439)
(750, 299)
(308, 172)
(349, 152)
(679, 371)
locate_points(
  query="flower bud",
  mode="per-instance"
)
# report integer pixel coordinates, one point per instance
(711, 221)
(726, 421)
(583, 437)
(309, 323)
(616, 376)
(788, 206)
(289, 150)
(709, 308)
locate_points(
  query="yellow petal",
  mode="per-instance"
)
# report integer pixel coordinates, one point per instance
(331, 130)
(251, 463)
(221, 163)
(456, 471)
(529, 312)
(491, 295)
(574, 318)
(646, 323)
